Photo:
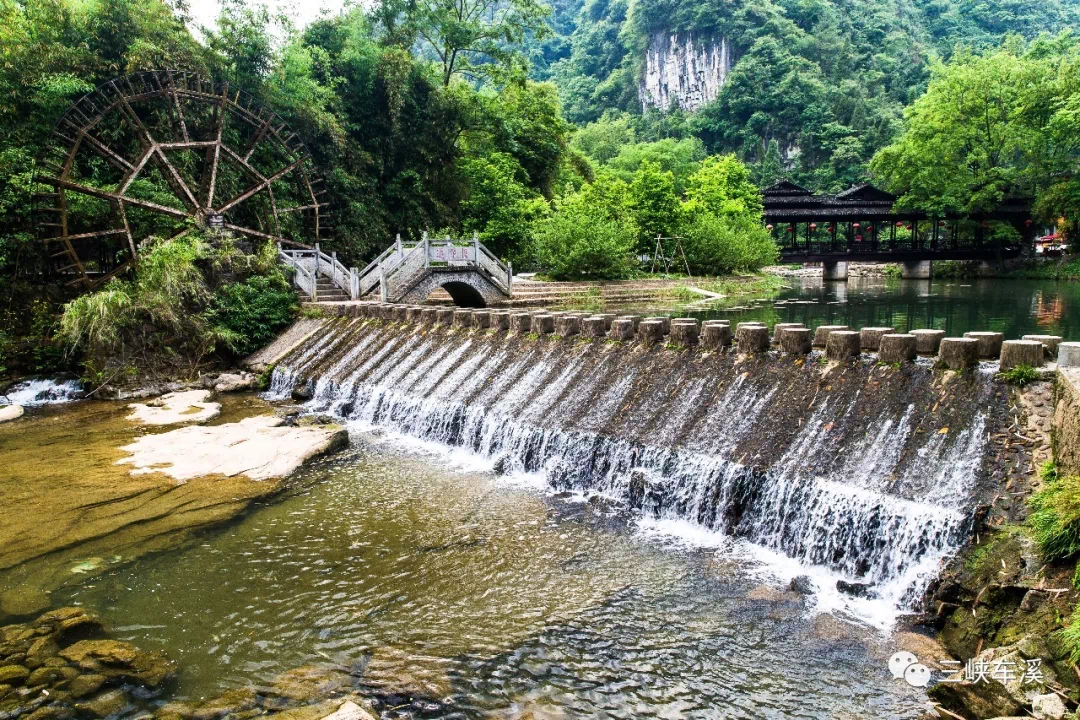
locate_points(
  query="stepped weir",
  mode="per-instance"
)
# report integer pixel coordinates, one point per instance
(869, 471)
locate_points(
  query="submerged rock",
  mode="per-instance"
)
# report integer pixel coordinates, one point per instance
(10, 412)
(855, 589)
(258, 447)
(176, 408)
(802, 584)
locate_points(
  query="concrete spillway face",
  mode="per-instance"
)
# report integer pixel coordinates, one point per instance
(865, 472)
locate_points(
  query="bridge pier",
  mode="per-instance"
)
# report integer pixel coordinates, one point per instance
(916, 270)
(834, 270)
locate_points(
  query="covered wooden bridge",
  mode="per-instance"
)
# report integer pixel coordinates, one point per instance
(862, 224)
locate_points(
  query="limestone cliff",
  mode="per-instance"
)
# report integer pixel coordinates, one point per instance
(683, 70)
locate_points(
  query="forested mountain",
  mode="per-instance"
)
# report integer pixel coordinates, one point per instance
(809, 88)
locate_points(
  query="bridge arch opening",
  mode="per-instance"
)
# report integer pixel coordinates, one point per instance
(464, 294)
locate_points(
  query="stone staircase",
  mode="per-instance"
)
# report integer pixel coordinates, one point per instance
(327, 291)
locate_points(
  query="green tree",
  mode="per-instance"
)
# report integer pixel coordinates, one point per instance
(721, 244)
(582, 240)
(723, 187)
(476, 37)
(653, 205)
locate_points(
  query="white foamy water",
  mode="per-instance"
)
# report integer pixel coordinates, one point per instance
(42, 392)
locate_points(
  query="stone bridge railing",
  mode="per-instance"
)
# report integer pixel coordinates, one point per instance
(404, 264)
(837, 342)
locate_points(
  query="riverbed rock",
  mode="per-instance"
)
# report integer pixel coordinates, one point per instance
(228, 703)
(85, 685)
(1048, 707)
(67, 621)
(259, 447)
(10, 412)
(13, 674)
(350, 711)
(110, 652)
(236, 382)
(854, 589)
(192, 406)
(308, 683)
(802, 584)
(106, 704)
(119, 660)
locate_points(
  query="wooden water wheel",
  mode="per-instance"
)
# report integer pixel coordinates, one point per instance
(156, 154)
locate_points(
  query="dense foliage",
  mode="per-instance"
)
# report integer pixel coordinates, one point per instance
(1005, 123)
(191, 297)
(816, 87)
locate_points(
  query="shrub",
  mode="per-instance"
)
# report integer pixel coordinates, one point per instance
(188, 298)
(716, 245)
(1019, 375)
(1055, 517)
(248, 314)
(581, 240)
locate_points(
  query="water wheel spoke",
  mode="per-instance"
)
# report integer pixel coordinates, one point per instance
(257, 187)
(115, 197)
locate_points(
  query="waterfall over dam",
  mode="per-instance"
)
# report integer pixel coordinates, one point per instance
(869, 471)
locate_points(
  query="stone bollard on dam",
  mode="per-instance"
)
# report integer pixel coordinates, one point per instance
(428, 315)
(778, 328)
(500, 321)
(593, 327)
(842, 345)
(521, 322)
(989, 343)
(1068, 354)
(413, 314)
(665, 323)
(794, 340)
(958, 353)
(1050, 342)
(685, 332)
(651, 332)
(897, 348)
(481, 319)
(463, 318)
(635, 319)
(622, 329)
(752, 338)
(927, 341)
(1022, 352)
(567, 325)
(543, 324)
(821, 335)
(715, 335)
(608, 319)
(444, 316)
(870, 337)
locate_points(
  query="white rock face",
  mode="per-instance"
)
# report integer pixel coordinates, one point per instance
(192, 406)
(10, 412)
(1048, 707)
(350, 711)
(233, 382)
(259, 447)
(683, 70)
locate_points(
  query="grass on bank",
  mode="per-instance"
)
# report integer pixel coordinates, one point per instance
(1055, 524)
(1019, 375)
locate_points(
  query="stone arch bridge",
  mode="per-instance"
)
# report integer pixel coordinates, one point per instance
(407, 272)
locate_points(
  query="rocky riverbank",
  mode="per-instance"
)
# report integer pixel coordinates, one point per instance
(1000, 607)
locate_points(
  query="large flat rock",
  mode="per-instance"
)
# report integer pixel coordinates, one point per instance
(259, 447)
(192, 406)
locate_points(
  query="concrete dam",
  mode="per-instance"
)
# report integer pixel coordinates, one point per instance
(870, 473)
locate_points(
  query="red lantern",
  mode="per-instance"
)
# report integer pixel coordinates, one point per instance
(832, 228)
(941, 223)
(899, 223)
(769, 227)
(813, 226)
(856, 225)
(907, 227)
(858, 238)
(791, 228)
(1027, 223)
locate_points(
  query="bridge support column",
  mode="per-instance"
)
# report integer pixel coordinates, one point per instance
(916, 270)
(833, 270)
